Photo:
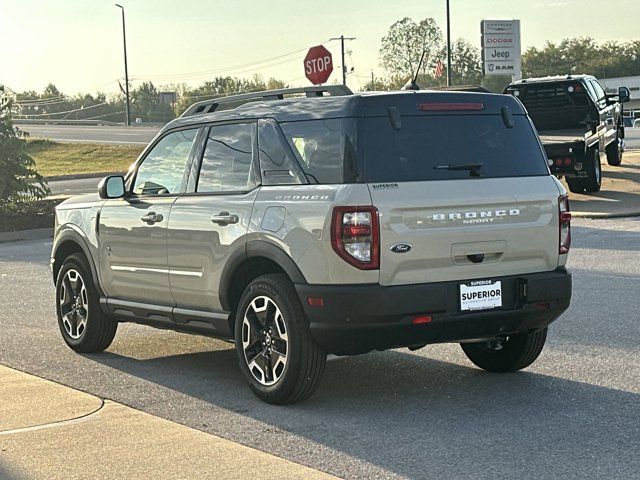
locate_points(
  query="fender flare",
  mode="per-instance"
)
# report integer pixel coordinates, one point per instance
(66, 234)
(252, 249)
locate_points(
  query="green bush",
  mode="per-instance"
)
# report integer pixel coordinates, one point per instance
(19, 181)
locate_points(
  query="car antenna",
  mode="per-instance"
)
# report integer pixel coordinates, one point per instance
(411, 83)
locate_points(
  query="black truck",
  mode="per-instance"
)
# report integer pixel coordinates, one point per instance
(577, 122)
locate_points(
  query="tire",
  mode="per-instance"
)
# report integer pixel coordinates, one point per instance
(594, 170)
(575, 185)
(514, 353)
(277, 354)
(614, 153)
(84, 326)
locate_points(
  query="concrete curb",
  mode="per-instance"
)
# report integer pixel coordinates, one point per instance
(116, 441)
(78, 176)
(20, 235)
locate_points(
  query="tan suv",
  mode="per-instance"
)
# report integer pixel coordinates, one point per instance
(335, 223)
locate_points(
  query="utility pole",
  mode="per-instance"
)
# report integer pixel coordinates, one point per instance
(448, 46)
(126, 71)
(342, 38)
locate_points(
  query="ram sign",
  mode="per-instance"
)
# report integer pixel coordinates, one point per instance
(501, 48)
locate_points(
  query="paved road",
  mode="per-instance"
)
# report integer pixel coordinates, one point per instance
(396, 414)
(76, 186)
(133, 135)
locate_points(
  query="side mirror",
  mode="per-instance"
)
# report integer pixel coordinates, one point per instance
(112, 187)
(624, 95)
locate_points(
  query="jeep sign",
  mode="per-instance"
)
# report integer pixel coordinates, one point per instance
(501, 48)
(318, 65)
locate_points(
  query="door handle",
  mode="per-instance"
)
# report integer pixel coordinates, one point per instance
(152, 218)
(224, 218)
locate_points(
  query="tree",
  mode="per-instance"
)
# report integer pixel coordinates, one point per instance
(405, 43)
(466, 68)
(583, 55)
(19, 181)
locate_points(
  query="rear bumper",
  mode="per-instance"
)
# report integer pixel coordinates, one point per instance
(358, 318)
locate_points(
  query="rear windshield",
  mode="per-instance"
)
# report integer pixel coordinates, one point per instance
(422, 147)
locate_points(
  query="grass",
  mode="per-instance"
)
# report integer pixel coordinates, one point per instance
(53, 158)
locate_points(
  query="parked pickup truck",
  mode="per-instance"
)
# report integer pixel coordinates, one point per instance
(577, 122)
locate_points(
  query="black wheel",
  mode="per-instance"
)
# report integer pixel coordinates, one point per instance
(84, 327)
(594, 170)
(277, 354)
(575, 185)
(614, 153)
(509, 354)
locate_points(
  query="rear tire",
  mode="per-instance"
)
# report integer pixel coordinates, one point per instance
(277, 354)
(514, 353)
(84, 326)
(575, 185)
(594, 170)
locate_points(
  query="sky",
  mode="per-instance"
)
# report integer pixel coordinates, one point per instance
(77, 44)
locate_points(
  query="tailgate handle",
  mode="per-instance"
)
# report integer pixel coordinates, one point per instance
(476, 257)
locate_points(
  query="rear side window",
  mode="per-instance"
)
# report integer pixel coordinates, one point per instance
(228, 158)
(325, 148)
(424, 146)
(278, 165)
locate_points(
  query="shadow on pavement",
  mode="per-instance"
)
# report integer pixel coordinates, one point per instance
(411, 415)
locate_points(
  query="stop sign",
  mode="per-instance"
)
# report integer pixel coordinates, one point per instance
(318, 65)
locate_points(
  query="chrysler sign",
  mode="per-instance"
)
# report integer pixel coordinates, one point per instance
(501, 47)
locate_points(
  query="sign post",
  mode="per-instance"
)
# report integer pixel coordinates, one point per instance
(318, 65)
(501, 49)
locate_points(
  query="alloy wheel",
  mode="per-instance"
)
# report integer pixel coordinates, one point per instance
(74, 304)
(264, 340)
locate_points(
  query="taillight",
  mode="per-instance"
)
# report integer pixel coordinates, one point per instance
(355, 236)
(565, 224)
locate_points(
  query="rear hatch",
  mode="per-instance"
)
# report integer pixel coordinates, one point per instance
(462, 189)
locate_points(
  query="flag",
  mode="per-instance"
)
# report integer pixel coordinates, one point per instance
(438, 69)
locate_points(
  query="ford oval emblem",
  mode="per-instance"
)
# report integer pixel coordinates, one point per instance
(400, 248)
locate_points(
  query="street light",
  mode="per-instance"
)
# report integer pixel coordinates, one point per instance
(448, 46)
(126, 71)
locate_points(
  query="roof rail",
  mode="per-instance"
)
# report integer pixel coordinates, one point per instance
(213, 104)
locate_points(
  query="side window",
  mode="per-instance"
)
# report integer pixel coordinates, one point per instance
(278, 166)
(592, 92)
(599, 90)
(227, 161)
(163, 169)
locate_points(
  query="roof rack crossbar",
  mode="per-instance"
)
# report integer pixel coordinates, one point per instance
(211, 105)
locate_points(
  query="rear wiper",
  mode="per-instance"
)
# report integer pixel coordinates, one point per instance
(472, 167)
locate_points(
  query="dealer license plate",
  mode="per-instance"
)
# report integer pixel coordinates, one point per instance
(480, 295)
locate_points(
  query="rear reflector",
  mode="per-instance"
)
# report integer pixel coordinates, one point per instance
(315, 301)
(447, 107)
(421, 319)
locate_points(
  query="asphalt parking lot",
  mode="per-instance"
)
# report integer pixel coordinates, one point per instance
(397, 414)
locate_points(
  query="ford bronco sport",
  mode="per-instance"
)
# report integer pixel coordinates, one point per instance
(335, 223)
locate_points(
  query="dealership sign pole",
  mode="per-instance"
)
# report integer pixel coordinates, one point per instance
(501, 50)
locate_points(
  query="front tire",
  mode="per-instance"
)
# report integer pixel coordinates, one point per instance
(84, 327)
(614, 153)
(277, 354)
(507, 355)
